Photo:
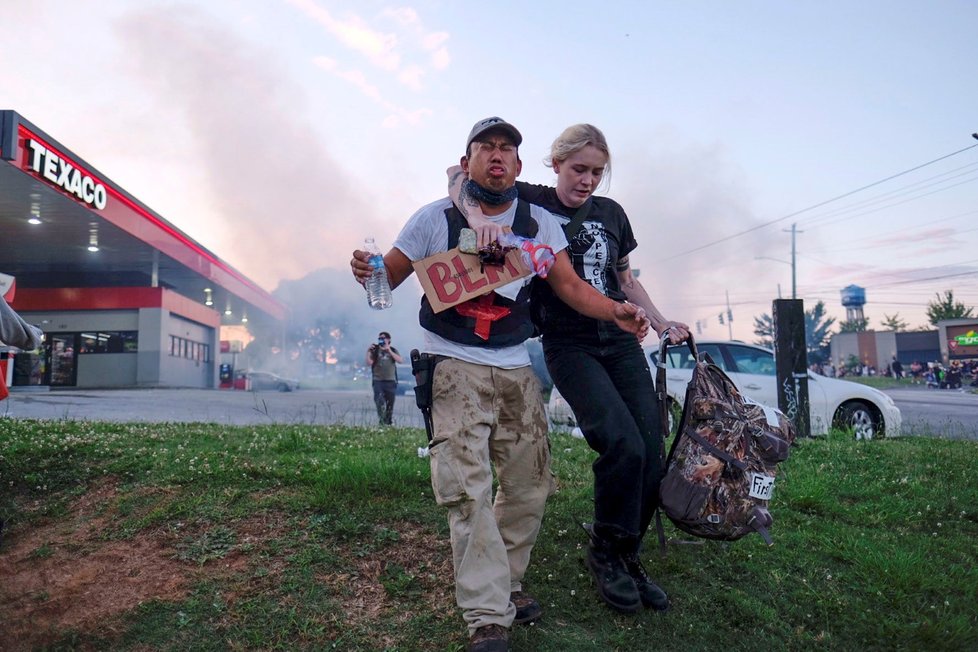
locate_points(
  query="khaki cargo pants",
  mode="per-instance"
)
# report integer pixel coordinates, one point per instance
(484, 414)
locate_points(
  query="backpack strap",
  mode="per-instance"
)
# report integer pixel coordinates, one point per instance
(660, 531)
(716, 452)
(663, 396)
(660, 392)
(660, 379)
(570, 230)
(760, 520)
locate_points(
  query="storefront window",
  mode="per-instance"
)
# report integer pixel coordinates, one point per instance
(61, 353)
(183, 348)
(109, 342)
(90, 344)
(129, 341)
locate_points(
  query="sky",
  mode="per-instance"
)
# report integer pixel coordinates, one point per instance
(281, 133)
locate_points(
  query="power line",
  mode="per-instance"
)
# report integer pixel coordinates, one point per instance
(818, 205)
(916, 186)
(878, 302)
(930, 278)
(859, 247)
(840, 217)
(933, 268)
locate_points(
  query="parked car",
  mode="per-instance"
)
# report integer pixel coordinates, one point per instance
(266, 380)
(405, 379)
(867, 411)
(561, 416)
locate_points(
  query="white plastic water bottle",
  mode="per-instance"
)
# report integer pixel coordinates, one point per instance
(378, 288)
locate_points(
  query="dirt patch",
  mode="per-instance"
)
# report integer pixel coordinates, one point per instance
(60, 575)
(417, 554)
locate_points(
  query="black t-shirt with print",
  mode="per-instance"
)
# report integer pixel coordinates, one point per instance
(603, 238)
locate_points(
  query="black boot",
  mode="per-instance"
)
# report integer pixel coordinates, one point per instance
(653, 597)
(615, 586)
(528, 608)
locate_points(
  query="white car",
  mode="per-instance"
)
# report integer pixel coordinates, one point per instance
(869, 412)
(405, 380)
(560, 414)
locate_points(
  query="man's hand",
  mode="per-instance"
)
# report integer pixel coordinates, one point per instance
(678, 331)
(631, 319)
(361, 267)
(397, 265)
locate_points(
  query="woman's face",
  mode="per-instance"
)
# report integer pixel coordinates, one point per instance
(579, 175)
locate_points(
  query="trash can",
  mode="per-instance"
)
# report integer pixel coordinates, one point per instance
(7, 366)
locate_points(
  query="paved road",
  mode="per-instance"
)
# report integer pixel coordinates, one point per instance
(354, 407)
(925, 412)
(943, 412)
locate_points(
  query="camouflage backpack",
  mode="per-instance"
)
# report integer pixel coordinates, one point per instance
(719, 475)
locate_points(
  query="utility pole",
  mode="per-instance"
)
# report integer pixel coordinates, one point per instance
(794, 275)
(729, 316)
(791, 362)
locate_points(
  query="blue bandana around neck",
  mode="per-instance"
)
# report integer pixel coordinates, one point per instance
(487, 196)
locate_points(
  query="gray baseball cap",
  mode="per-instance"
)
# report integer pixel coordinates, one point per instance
(488, 124)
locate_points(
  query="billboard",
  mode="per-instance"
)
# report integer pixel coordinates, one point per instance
(962, 341)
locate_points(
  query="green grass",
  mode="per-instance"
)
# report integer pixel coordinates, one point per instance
(881, 382)
(884, 383)
(301, 537)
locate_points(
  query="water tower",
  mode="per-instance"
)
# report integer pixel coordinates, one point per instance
(854, 298)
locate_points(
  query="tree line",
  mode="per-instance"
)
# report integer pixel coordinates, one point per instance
(818, 325)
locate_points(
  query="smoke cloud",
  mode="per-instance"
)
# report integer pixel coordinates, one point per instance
(283, 197)
(333, 299)
(679, 198)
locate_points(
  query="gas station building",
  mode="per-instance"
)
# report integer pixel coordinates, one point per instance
(125, 298)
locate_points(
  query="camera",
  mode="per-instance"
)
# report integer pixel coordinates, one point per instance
(380, 341)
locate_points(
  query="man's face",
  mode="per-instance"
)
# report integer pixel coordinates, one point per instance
(493, 161)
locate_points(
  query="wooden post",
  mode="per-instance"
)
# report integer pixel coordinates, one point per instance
(791, 362)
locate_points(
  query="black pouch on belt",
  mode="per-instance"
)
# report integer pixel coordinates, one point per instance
(423, 368)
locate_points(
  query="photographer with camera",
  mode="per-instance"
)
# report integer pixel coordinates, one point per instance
(382, 358)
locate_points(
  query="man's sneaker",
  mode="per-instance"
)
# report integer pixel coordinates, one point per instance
(615, 586)
(490, 638)
(652, 596)
(528, 609)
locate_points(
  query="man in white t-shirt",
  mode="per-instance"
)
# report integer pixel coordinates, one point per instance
(487, 407)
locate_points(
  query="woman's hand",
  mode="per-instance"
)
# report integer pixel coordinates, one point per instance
(631, 319)
(678, 331)
(486, 230)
